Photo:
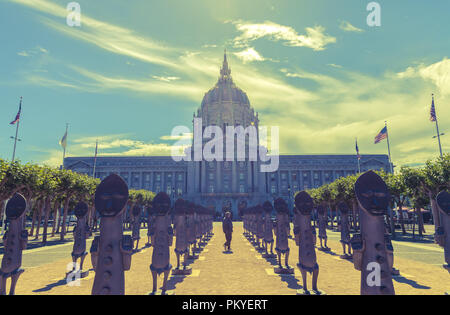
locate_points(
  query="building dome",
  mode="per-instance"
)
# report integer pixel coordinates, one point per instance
(225, 103)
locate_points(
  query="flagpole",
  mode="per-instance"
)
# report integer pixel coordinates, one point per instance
(389, 149)
(437, 127)
(17, 132)
(95, 158)
(64, 148)
(358, 156)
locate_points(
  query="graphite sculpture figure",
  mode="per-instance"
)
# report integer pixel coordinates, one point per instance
(282, 242)
(268, 229)
(345, 231)
(161, 240)
(181, 241)
(15, 241)
(370, 248)
(80, 233)
(443, 202)
(135, 234)
(322, 217)
(112, 249)
(304, 238)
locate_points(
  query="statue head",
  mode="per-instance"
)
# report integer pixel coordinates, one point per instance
(149, 208)
(281, 206)
(268, 208)
(15, 207)
(136, 211)
(190, 208)
(321, 210)
(304, 203)
(372, 193)
(180, 207)
(111, 196)
(259, 210)
(343, 207)
(80, 209)
(443, 201)
(161, 203)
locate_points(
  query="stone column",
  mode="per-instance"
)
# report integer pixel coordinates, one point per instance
(219, 176)
(203, 178)
(234, 177)
(163, 181)
(249, 177)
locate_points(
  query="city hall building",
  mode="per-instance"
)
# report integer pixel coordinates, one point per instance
(218, 184)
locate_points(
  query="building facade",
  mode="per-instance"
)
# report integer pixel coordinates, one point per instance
(227, 183)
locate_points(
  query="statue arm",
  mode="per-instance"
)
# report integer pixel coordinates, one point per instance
(24, 239)
(94, 251)
(297, 235)
(358, 246)
(126, 248)
(170, 231)
(440, 236)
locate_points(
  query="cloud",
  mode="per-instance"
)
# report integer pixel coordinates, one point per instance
(315, 37)
(334, 65)
(438, 73)
(108, 145)
(322, 116)
(249, 55)
(184, 136)
(38, 50)
(165, 79)
(346, 26)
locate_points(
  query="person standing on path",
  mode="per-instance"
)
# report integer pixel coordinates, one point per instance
(227, 226)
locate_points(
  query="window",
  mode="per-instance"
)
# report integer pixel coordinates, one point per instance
(180, 176)
(283, 175)
(241, 176)
(273, 190)
(294, 176)
(241, 188)
(158, 177)
(211, 176)
(211, 188)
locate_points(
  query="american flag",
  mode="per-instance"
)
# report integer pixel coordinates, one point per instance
(432, 111)
(16, 120)
(357, 150)
(382, 135)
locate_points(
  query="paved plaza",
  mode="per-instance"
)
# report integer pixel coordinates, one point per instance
(242, 272)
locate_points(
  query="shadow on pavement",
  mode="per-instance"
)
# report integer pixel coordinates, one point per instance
(412, 283)
(50, 286)
(292, 282)
(39, 245)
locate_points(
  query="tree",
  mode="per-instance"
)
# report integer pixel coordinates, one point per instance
(436, 178)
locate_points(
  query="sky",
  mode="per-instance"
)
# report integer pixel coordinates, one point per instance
(133, 70)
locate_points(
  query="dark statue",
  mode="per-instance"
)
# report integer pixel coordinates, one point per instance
(161, 241)
(372, 249)
(305, 240)
(15, 241)
(111, 250)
